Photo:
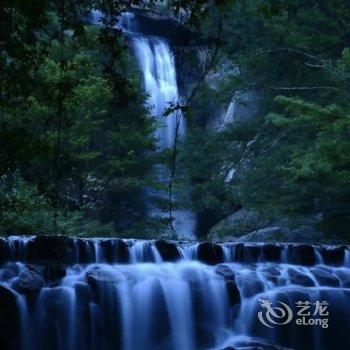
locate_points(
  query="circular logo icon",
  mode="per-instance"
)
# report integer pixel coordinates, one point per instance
(274, 315)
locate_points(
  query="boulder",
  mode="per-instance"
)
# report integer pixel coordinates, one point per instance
(210, 253)
(247, 226)
(9, 271)
(298, 278)
(236, 224)
(225, 272)
(250, 284)
(306, 233)
(267, 234)
(344, 276)
(97, 279)
(325, 278)
(167, 250)
(30, 282)
(273, 274)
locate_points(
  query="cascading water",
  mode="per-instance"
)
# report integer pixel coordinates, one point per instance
(74, 294)
(66, 293)
(157, 64)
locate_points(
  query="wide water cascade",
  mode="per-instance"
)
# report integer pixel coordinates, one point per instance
(73, 294)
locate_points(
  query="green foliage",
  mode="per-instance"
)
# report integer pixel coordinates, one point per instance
(68, 127)
(291, 163)
(322, 159)
(22, 209)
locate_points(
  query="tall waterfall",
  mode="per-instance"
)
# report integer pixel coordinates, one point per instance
(157, 64)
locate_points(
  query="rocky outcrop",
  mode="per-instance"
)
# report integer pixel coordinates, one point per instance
(236, 224)
(282, 234)
(47, 255)
(269, 234)
(243, 107)
(160, 24)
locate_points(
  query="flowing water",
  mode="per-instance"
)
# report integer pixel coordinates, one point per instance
(157, 63)
(123, 294)
(138, 294)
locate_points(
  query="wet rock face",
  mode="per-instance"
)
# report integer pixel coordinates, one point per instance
(250, 253)
(230, 283)
(344, 276)
(224, 271)
(250, 284)
(57, 251)
(325, 277)
(167, 250)
(115, 250)
(158, 24)
(30, 282)
(272, 252)
(210, 253)
(333, 255)
(52, 248)
(298, 278)
(305, 253)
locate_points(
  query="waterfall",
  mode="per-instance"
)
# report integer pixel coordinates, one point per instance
(157, 64)
(106, 293)
(73, 293)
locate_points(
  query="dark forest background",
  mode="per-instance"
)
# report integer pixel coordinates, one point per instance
(77, 144)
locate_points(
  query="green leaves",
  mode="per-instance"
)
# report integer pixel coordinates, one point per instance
(74, 125)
